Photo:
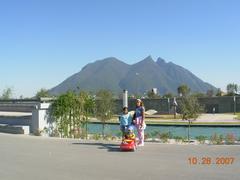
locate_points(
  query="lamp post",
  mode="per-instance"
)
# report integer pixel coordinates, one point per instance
(189, 122)
(175, 107)
(168, 105)
(234, 104)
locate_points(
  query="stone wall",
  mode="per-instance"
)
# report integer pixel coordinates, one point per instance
(221, 104)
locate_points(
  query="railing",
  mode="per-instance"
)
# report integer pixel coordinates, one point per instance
(15, 101)
(22, 105)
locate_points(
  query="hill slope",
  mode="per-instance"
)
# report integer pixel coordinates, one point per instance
(102, 74)
(115, 75)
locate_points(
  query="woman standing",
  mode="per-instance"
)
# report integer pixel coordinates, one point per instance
(139, 121)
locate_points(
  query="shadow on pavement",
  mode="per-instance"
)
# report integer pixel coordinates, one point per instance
(108, 147)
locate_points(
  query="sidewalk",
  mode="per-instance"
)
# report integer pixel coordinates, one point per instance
(217, 118)
(221, 118)
(208, 118)
(28, 158)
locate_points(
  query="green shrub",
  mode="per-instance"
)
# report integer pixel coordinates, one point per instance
(96, 136)
(54, 133)
(76, 133)
(165, 136)
(217, 139)
(230, 138)
(154, 134)
(147, 135)
(37, 133)
(178, 138)
(108, 137)
(201, 139)
(118, 134)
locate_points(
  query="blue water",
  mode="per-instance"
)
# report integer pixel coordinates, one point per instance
(174, 130)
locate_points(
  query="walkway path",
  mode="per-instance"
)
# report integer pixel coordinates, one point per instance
(28, 158)
(221, 118)
(217, 118)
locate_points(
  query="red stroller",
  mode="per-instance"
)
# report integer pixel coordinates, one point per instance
(129, 141)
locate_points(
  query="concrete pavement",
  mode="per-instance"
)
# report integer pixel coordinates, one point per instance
(208, 118)
(217, 118)
(26, 157)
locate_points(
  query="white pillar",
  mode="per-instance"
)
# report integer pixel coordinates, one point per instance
(125, 98)
(40, 117)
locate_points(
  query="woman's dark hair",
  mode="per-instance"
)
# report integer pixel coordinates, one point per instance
(134, 115)
(125, 108)
(141, 103)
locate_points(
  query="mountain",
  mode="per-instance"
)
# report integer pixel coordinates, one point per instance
(144, 76)
(115, 75)
(180, 75)
(102, 74)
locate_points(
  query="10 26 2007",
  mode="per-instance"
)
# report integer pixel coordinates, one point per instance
(211, 160)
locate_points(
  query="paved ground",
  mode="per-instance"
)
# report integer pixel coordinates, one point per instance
(221, 118)
(202, 118)
(28, 158)
(217, 118)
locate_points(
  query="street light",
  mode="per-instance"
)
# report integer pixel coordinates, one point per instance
(175, 107)
(168, 99)
(234, 104)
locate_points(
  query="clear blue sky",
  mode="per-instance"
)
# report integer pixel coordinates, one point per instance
(42, 42)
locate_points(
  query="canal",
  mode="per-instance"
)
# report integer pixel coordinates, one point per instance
(175, 130)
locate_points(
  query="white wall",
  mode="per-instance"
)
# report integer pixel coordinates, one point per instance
(40, 118)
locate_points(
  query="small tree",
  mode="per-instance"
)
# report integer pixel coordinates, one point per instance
(152, 95)
(104, 107)
(210, 93)
(88, 108)
(219, 92)
(190, 109)
(232, 89)
(7, 94)
(42, 93)
(66, 111)
(183, 90)
(199, 95)
(168, 95)
(71, 113)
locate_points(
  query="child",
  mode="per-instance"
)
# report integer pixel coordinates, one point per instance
(129, 135)
(129, 140)
(125, 120)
